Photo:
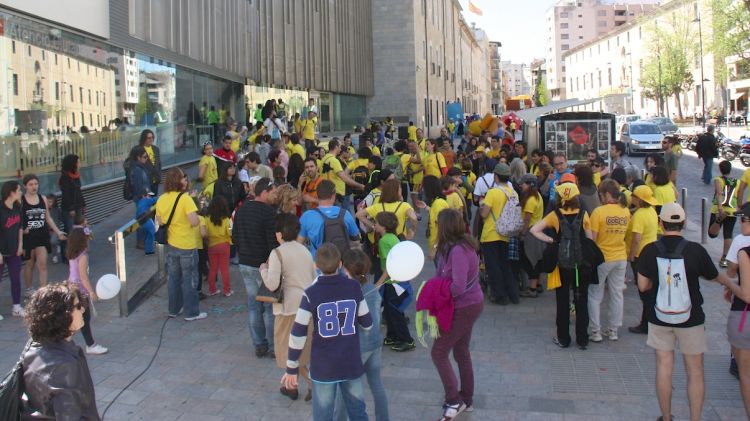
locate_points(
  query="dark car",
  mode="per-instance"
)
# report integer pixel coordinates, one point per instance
(666, 125)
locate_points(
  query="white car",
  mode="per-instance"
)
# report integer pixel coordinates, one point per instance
(641, 136)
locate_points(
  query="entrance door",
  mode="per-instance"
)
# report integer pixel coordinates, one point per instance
(325, 114)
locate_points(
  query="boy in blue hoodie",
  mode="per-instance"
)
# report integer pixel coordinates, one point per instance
(335, 305)
(143, 206)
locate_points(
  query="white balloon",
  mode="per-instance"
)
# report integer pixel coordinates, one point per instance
(108, 286)
(404, 261)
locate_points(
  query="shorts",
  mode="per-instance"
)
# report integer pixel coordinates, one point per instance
(727, 225)
(736, 338)
(692, 340)
(32, 242)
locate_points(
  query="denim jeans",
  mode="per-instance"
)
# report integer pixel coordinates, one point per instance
(260, 315)
(372, 361)
(149, 229)
(708, 164)
(182, 279)
(140, 234)
(324, 398)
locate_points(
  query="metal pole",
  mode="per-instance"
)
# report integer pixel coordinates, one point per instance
(703, 88)
(121, 272)
(683, 197)
(161, 258)
(704, 221)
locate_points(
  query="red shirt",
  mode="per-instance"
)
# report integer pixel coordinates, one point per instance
(226, 154)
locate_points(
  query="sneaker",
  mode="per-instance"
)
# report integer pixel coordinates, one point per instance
(211, 294)
(529, 293)
(261, 351)
(200, 316)
(18, 310)
(595, 337)
(229, 294)
(403, 346)
(469, 408)
(96, 349)
(451, 411)
(638, 330)
(558, 343)
(611, 334)
(388, 342)
(235, 260)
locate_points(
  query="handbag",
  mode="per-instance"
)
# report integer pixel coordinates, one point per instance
(161, 234)
(276, 296)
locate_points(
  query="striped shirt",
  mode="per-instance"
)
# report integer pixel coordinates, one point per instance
(335, 305)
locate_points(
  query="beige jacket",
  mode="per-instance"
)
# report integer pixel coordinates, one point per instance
(297, 271)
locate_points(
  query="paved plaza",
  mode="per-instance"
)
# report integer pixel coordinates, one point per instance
(207, 370)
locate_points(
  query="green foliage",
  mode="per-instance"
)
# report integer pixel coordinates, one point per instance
(541, 93)
(731, 29)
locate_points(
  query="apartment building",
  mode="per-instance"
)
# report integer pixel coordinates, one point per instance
(518, 76)
(570, 23)
(496, 78)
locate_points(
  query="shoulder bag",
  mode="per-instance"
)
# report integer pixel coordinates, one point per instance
(276, 296)
(161, 234)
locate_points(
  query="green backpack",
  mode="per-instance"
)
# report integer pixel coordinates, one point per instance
(393, 163)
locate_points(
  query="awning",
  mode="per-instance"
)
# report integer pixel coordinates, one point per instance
(531, 114)
(738, 95)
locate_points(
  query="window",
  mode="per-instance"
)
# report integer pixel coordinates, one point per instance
(68, 62)
(619, 12)
(599, 78)
(580, 16)
(628, 36)
(89, 96)
(15, 84)
(609, 76)
(74, 118)
(43, 55)
(29, 51)
(55, 59)
(601, 13)
(104, 99)
(601, 23)
(80, 96)
(565, 47)
(564, 15)
(13, 46)
(71, 99)
(564, 36)
(580, 26)
(57, 91)
(564, 25)
(97, 98)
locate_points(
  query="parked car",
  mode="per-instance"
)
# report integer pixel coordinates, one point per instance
(666, 125)
(641, 136)
(625, 118)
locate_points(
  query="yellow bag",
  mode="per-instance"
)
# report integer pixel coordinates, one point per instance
(553, 279)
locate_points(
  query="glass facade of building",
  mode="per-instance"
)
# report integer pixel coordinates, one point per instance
(64, 93)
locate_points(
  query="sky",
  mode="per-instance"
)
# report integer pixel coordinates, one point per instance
(518, 26)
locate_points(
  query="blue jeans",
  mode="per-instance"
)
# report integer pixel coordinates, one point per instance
(140, 234)
(324, 397)
(182, 281)
(708, 164)
(149, 230)
(500, 278)
(260, 315)
(372, 361)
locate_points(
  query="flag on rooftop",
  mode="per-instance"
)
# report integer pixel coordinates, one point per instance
(474, 9)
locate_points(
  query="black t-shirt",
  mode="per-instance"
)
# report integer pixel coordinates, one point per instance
(10, 224)
(697, 264)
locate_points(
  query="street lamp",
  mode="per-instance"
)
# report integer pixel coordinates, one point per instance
(703, 79)
(629, 54)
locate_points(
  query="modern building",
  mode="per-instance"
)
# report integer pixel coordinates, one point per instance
(496, 78)
(519, 78)
(570, 23)
(611, 66)
(425, 56)
(87, 76)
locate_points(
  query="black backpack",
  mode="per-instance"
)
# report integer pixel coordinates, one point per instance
(334, 231)
(361, 175)
(570, 251)
(127, 187)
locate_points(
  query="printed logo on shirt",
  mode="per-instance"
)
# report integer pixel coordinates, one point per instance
(12, 220)
(329, 324)
(616, 220)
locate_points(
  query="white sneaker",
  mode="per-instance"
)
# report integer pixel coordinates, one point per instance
(451, 411)
(611, 334)
(96, 350)
(595, 336)
(200, 316)
(18, 310)
(1, 317)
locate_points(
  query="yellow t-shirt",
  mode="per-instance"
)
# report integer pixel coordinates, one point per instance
(665, 194)
(150, 152)
(412, 131)
(455, 201)
(649, 181)
(610, 223)
(333, 174)
(297, 149)
(731, 208)
(493, 153)
(235, 145)
(217, 234)
(360, 162)
(471, 178)
(628, 194)
(413, 172)
(535, 207)
(437, 206)
(180, 234)
(597, 179)
(552, 222)
(495, 200)
(375, 150)
(433, 163)
(211, 174)
(644, 222)
(308, 129)
(399, 208)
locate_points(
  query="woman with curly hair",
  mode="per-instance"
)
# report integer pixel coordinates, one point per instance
(288, 199)
(55, 372)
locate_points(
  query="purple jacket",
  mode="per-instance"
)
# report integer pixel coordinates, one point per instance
(461, 265)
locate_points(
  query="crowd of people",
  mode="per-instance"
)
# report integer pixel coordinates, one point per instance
(311, 225)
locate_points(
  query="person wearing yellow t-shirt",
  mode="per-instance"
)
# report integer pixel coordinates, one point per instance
(219, 237)
(390, 201)
(308, 129)
(334, 171)
(609, 224)
(412, 131)
(500, 278)
(723, 208)
(532, 207)
(567, 207)
(664, 190)
(455, 200)
(421, 141)
(413, 170)
(297, 124)
(433, 161)
(207, 171)
(434, 204)
(294, 147)
(495, 149)
(451, 128)
(182, 237)
(744, 181)
(641, 232)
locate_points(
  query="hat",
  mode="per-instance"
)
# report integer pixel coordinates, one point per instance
(568, 178)
(567, 191)
(479, 149)
(645, 193)
(529, 179)
(744, 210)
(502, 169)
(672, 212)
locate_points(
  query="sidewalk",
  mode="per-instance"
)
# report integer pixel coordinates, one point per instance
(206, 370)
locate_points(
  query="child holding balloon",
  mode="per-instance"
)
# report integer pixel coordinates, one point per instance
(396, 296)
(78, 274)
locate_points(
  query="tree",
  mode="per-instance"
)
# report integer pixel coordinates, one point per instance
(731, 32)
(667, 70)
(541, 94)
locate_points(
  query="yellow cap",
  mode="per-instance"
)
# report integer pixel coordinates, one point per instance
(567, 191)
(645, 193)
